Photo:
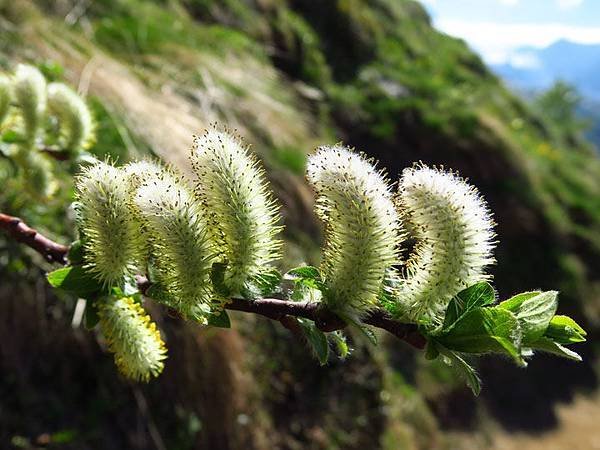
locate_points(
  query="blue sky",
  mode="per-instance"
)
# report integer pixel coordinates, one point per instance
(495, 28)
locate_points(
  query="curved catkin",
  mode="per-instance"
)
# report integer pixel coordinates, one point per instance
(5, 97)
(74, 117)
(132, 337)
(180, 243)
(37, 172)
(243, 215)
(363, 231)
(455, 239)
(105, 221)
(29, 92)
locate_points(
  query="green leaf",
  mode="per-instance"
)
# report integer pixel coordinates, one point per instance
(12, 137)
(75, 255)
(564, 330)
(316, 339)
(463, 367)
(515, 302)
(477, 295)
(431, 351)
(217, 276)
(219, 319)
(484, 330)
(545, 344)
(268, 281)
(339, 342)
(533, 311)
(91, 317)
(303, 272)
(75, 280)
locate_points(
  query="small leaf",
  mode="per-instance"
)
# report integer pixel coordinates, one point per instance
(515, 302)
(477, 295)
(75, 255)
(12, 137)
(463, 367)
(316, 339)
(339, 342)
(533, 311)
(75, 280)
(217, 276)
(219, 319)
(267, 281)
(564, 330)
(431, 351)
(545, 344)
(484, 330)
(303, 272)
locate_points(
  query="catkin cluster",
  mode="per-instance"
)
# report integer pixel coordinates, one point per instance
(146, 218)
(41, 116)
(365, 227)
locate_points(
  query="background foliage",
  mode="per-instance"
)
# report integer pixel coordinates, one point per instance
(289, 74)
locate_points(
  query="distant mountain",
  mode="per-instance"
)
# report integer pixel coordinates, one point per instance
(532, 68)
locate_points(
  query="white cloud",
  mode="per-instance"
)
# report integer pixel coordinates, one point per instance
(512, 2)
(497, 41)
(568, 4)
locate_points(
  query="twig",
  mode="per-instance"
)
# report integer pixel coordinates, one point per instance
(283, 311)
(21, 232)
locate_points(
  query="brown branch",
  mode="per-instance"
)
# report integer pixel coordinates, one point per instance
(21, 232)
(283, 311)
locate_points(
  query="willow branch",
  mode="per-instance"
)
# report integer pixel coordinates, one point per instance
(283, 311)
(21, 232)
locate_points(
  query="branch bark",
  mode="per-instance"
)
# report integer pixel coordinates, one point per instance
(283, 311)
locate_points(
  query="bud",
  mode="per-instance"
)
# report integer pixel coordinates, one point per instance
(74, 118)
(243, 215)
(29, 91)
(132, 337)
(180, 244)
(362, 227)
(106, 223)
(455, 239)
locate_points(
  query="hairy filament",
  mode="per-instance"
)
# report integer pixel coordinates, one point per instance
(182, 249)
(363, 234)
(455, 239)
(74, 118)
(132, 337)
(243, 214)
(105, 221)
(29, 90)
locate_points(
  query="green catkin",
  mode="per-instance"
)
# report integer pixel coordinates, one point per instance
(232, 186)
(29, 94)
(132, 337)
(105, 221)
(74, 118)
(363, 231)
(181, 246)
(455, 239)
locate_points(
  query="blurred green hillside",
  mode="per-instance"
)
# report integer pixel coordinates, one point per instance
(290, 75)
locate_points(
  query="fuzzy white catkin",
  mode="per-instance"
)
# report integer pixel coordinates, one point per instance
(105, 221)
(29, 92)
(453, 228)
(180, 242)
(243, 215)
(74, 117)
(363, 230)
(132, 337)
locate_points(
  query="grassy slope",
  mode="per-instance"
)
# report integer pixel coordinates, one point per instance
(289, 75)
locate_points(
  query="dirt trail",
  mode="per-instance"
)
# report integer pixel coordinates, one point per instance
(579, 429)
